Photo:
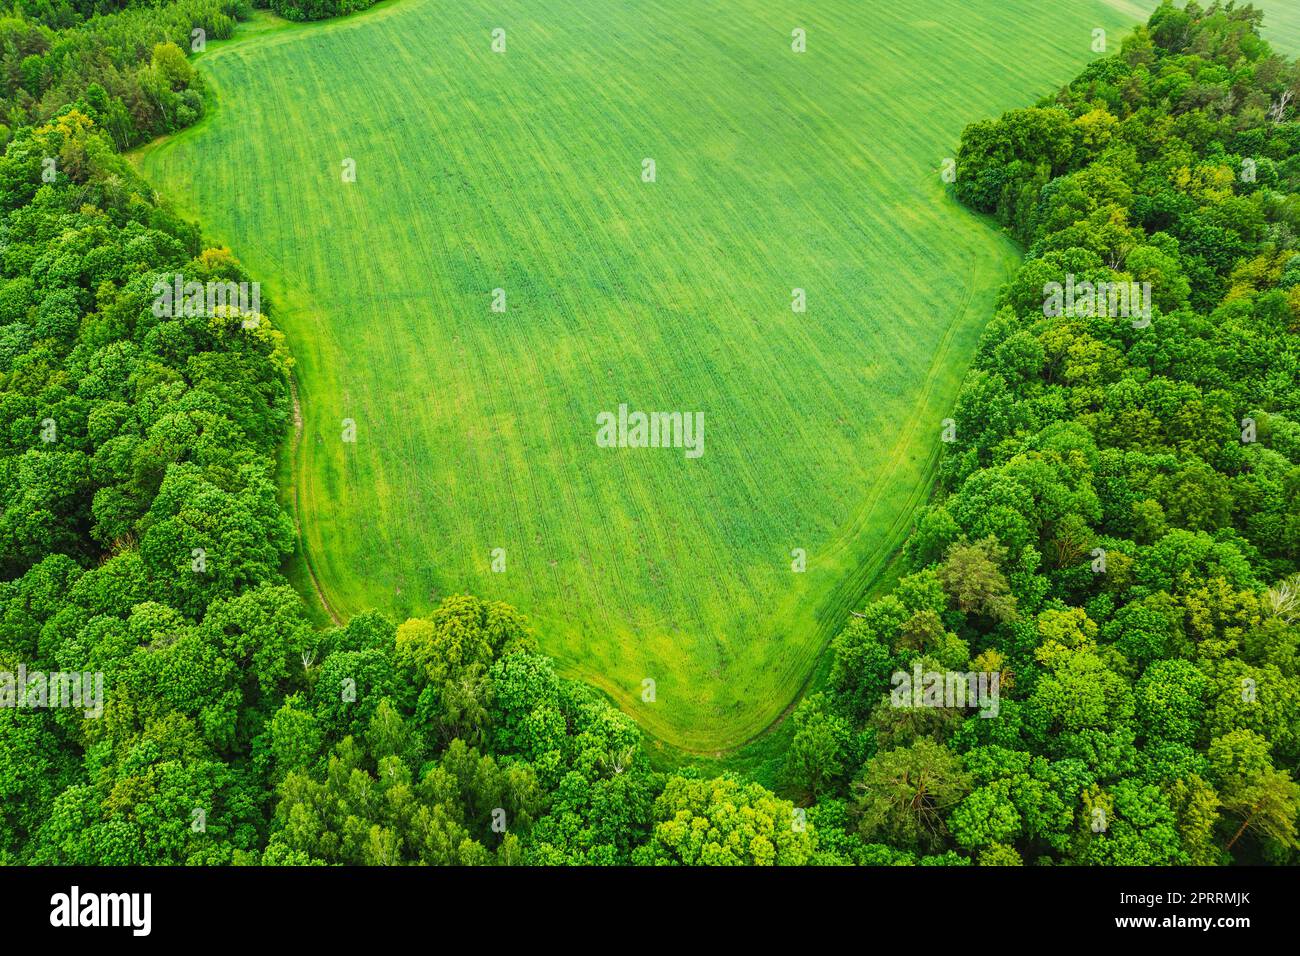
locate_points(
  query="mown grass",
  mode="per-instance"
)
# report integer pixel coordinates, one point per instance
(522, 171)
(1282, 25)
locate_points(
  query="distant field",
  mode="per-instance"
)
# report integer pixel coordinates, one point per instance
(476, 430)
(1282, 25)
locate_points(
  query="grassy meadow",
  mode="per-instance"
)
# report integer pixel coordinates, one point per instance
(522, 171)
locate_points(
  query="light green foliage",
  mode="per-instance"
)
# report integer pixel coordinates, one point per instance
(724, 822)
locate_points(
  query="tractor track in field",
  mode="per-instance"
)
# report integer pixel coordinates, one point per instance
(872, 571)
(295, 446)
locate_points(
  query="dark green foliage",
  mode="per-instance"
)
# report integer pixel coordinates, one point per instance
(122, 64)
(316, 9)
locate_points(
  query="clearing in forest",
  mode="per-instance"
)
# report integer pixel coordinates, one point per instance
(476, 464)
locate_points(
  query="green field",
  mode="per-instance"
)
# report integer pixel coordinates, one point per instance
(476, 429)
(1282, 25)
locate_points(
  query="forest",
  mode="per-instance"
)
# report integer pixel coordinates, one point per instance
(1116, 533)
